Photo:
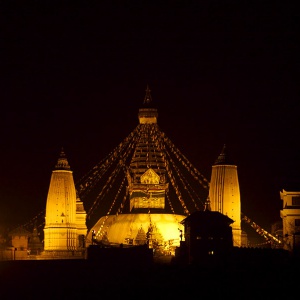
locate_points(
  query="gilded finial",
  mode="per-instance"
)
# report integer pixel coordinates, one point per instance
(62, 163)
(223, 158)
(148, 97)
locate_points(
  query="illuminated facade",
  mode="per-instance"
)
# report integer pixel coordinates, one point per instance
(290, 215)
(65, 221)
(224, 193)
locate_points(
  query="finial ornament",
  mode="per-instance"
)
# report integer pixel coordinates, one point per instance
(224, 149)
(62, 163)
(148, 97)
(223, 158)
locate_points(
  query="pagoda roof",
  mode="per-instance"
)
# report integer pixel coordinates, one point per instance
(207, 217)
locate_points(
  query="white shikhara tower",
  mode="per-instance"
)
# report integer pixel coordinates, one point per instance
(65, 222)
(224, 193)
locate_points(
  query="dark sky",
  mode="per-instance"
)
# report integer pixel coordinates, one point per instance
(74, 75)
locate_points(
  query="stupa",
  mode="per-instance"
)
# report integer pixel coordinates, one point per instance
(147, 220)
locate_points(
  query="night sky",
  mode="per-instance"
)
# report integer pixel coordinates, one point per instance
(74, 75)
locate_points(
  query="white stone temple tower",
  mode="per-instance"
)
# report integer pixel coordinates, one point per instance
(224, 193)
(65, 222)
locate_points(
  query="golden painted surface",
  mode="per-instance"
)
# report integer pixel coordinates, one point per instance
(126, 227)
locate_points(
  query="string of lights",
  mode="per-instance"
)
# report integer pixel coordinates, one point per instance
(262, 232)
(186, 163)
(186, 184)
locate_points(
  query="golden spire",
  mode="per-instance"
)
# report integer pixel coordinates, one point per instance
(147, 114)
(148, 97)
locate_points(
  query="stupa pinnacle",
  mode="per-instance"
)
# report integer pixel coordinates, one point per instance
(148, 98)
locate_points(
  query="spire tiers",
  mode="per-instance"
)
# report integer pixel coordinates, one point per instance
(148, 115)
(62, 163)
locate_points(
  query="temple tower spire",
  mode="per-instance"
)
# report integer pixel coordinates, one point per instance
(224, 193)
(65, 217)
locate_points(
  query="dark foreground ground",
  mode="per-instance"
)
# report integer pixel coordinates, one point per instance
(85, 279)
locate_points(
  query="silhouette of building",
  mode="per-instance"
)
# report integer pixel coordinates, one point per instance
(35, 244)
(208, 238)
(17, 248)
